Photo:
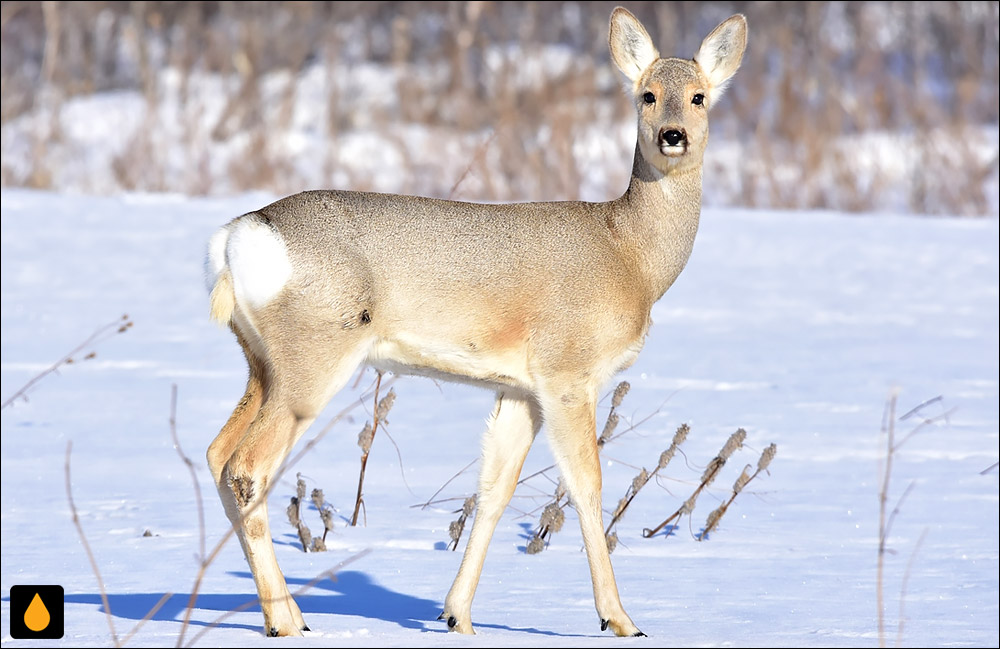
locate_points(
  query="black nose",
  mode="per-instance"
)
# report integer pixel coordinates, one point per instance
(673, 137)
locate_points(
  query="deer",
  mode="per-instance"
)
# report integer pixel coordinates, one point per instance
(541, 303)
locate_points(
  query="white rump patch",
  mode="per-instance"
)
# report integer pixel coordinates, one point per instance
(216, 259)
(258, 261)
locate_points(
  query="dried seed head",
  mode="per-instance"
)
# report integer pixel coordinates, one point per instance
(742, 480)
(640, 480)
(300, 487)
(318, 545)
(469, 506)
(620, 507)
(766, 457)
(552, 518)
(293, 512)
(327, 516)
(455, 529)
(318, 499)
(712, 522)
(560, 490)
(535, 545)
(734, 442)
(365, 437)
(681, 435)
(612, 540)
(666, 456)
(385, 405)
(305, 536)
(712, 470)
(620, 392)
(688, 505)
(609, 428)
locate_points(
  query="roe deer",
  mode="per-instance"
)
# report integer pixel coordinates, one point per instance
(540, 302)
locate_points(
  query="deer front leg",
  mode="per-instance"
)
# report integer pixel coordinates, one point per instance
(511, 429)
(570, 417)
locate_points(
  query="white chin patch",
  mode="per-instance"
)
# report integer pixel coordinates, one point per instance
(258, 261)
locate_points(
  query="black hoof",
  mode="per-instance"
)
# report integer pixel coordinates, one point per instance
(639, 634)
(452, 621)
(273, 632)
(441, 617)
(306, 628)
(604, 625)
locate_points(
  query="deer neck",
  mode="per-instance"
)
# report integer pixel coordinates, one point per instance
(656, 221)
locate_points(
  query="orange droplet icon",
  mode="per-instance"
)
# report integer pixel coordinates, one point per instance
(37, 616)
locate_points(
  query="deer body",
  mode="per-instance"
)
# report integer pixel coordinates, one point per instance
(540, 302)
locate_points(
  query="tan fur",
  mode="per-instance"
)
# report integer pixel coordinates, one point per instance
(541, 302)
(222, 299)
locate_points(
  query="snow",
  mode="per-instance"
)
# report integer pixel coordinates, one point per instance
(795, 326)
(197, 134)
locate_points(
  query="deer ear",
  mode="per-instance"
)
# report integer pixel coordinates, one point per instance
(632, 49)
(721, 54)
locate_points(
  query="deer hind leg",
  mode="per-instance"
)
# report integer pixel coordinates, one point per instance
(230, 437)
(512, 427)
(290, 404)
(570, 416)
(221, 449)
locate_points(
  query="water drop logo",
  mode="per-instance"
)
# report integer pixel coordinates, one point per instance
(36, 612)
(37, 617)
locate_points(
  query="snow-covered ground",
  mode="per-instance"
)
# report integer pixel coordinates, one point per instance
(794, 326)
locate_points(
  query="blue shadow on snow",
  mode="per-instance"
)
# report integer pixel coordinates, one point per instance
(353, 593)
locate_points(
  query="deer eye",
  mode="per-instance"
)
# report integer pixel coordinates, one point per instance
(649, 98)
(698, 99)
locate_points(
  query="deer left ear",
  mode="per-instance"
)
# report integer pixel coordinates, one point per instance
(721, 54)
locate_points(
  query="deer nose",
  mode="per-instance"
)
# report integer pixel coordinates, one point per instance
(673, 136)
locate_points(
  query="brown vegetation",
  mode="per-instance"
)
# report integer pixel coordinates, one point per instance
(847, 106)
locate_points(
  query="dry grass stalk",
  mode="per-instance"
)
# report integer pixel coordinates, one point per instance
(430, 501)
(118, 326)
(86, 546)
(190, 465)
(734, 442)
(119, 642)
(309, 542)
(458, 525)
(639, 481)
(612, 422)
(300, 487)
(738, 486)
(325, 512)
(327, 517)
(294, 512)
(305, 536)
(886, 518)
(367, 436)
(551, 520)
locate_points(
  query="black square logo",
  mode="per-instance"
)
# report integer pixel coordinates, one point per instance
(36, 612)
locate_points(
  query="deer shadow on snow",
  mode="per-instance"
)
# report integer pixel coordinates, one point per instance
(353, 593)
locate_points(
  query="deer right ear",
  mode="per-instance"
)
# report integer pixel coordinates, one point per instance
(632, 49)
